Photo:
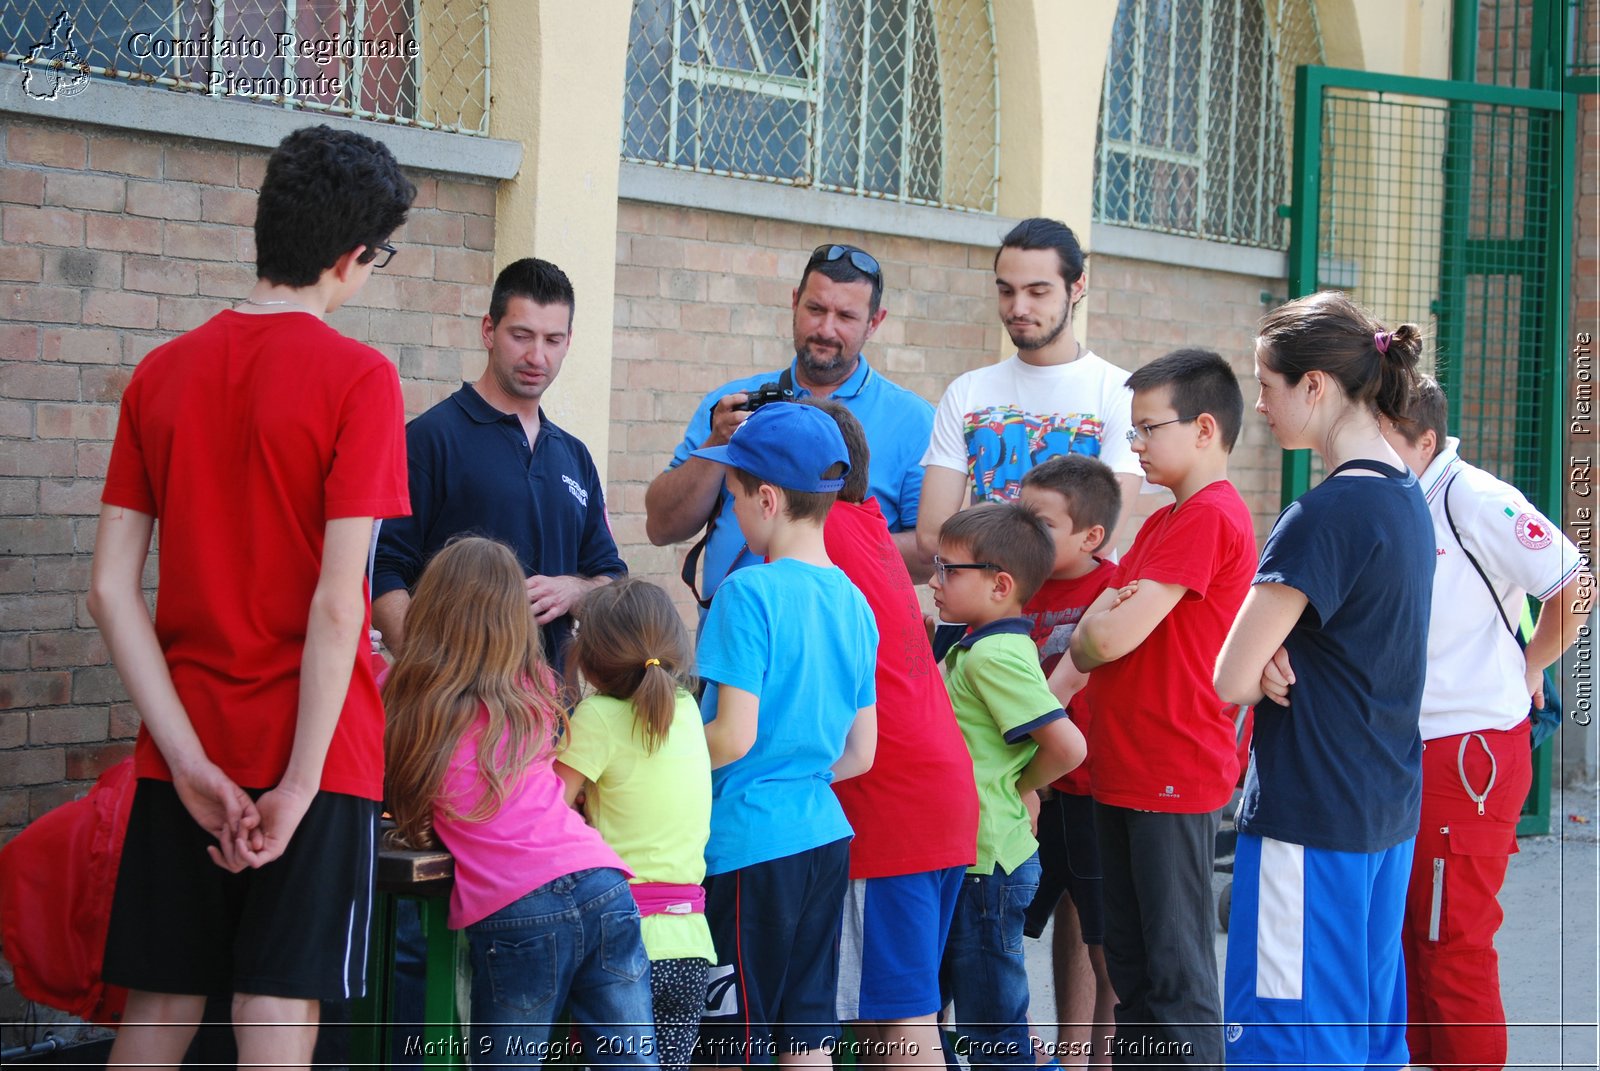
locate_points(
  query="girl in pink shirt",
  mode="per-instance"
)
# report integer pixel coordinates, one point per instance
(473, 720)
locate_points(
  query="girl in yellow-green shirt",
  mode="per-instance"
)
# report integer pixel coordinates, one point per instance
(638, 754)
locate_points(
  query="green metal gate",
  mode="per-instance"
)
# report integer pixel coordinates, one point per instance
(1448, 204)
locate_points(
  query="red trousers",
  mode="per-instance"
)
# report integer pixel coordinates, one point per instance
(1452, 971)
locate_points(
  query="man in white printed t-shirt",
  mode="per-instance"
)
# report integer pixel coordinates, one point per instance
(1053, 397)
(1476, 762)
(992, 426)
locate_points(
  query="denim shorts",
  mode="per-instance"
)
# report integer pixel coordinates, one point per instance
(573, 944)
(984, 970)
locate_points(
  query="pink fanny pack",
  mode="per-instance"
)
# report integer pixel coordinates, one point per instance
(665, 898)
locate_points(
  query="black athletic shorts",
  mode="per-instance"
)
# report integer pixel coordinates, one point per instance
(1069, 860)
(774, 986)
(296, 927)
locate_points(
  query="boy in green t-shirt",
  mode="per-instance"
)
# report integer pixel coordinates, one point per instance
(991, 560)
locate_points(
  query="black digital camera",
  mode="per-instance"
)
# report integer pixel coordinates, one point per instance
(767, 392)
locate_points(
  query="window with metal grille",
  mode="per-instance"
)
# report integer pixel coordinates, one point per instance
(884, 98)
(403, 61)
(1194, 116)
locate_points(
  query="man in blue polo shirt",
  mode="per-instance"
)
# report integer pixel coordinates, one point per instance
(837, 307)
(486, 460)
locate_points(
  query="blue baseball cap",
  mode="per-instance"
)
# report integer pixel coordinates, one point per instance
(785, 444)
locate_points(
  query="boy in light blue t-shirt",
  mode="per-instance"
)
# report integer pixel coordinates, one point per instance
(788, 650)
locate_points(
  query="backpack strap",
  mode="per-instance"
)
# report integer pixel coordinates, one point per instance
(1499, 609)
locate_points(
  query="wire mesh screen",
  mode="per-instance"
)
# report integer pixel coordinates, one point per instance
(883, 98)
(417, 62)
(1195, 114)
(1582, 37)
(1505, 41)
(1440, 215)
(1508, 31)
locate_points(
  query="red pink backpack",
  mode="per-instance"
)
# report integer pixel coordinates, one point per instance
(57, 878)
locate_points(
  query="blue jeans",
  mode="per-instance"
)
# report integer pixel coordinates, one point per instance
(984, 970)
(572, 943)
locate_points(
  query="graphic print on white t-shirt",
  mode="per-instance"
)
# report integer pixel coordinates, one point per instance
(1005, 441)
(997, 422)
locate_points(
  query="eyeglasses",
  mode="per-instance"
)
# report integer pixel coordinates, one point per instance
(942, 568)
(862, 261)
(381, 255)
(1140, 433)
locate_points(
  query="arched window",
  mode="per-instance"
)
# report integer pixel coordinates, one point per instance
(1195, 116)
(884, 98)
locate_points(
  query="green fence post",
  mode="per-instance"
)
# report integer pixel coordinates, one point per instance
(1304, 240)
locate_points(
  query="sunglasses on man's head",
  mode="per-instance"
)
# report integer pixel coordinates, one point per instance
(862, 261)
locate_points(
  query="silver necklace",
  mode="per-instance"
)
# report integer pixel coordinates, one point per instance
(291, 304)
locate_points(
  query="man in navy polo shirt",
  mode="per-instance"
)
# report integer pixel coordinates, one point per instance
(837, 307)
(486, 460)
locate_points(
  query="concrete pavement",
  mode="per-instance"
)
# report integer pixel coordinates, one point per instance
(1549, 956)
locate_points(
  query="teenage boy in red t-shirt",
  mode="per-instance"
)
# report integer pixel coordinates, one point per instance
(1078, 499)
(265, 443)
(1163, 742)
(915, 813)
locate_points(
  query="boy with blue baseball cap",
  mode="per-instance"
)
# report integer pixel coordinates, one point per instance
(788, 652)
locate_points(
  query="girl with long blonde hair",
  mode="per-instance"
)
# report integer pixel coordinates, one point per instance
(473, 724)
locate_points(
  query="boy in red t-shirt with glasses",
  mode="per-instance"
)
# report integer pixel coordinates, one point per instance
(1162, 741)
(265, 444)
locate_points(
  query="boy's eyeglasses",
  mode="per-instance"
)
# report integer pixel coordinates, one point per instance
(863, 261)
(379, 256)
(942, 568)
(1140, 433)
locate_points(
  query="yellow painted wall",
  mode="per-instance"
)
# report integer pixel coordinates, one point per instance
(1050, 107)
(1050, 104)
(557, 78)
(1411, 37)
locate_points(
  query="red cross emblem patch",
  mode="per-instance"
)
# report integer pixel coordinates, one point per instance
(1532, 531)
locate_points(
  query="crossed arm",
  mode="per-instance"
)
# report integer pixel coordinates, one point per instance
(1253, 663)
(1120, 620)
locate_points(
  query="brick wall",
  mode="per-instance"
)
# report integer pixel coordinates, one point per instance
(703, 297)
(110, 244)
(1139, 310)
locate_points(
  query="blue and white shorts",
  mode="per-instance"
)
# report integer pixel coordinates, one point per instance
(892, 941)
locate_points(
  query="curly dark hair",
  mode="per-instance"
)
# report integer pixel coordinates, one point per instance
(326, 192)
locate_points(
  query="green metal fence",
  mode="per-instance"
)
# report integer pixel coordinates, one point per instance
(1581, 56)
(1527, 44)
(1448, 205)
